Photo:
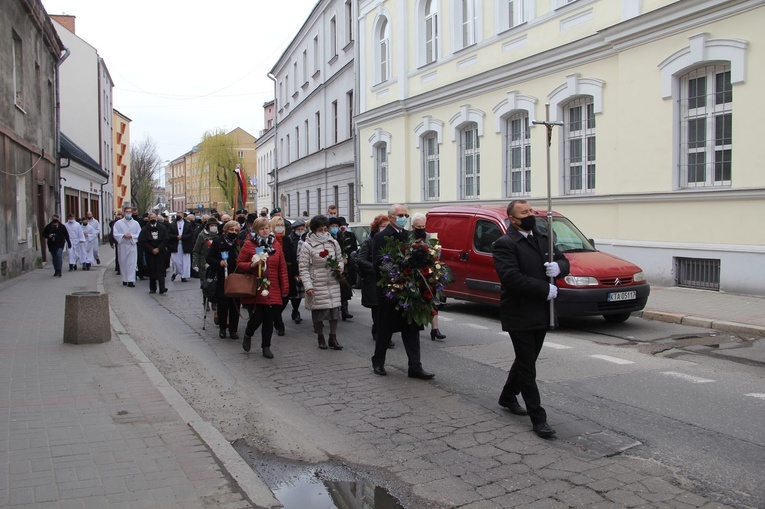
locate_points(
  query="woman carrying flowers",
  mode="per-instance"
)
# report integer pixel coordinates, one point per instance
(321, 265)
(262, 255)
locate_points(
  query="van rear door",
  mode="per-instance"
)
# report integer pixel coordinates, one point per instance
(454, 231)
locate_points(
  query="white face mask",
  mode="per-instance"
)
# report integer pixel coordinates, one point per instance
(279, 229)
(213, 229)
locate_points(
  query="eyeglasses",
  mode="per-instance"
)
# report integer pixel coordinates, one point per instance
(401, 215)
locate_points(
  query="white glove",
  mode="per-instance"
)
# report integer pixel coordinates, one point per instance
(553, 292)
(552, 269)
(196, 269)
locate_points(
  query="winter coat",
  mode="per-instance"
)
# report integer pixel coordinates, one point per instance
(57, 236)
(366, 270)
(201, 248)
(519, 262)
(276, 269)
(316, 274)
(220, 245)
(290, 257)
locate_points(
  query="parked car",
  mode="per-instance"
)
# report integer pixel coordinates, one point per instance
(598, 283)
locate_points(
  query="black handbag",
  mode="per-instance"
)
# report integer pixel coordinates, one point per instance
(209, 282)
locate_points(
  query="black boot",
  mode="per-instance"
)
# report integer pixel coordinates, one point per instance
(344, 311)
(333, 344)
(436, 334)
(296, 316)
(246, 342)
(322, 343)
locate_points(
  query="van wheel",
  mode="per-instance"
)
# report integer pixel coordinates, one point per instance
(617, 318)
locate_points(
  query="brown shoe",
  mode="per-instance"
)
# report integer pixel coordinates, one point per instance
(333, 344)
(322, 343)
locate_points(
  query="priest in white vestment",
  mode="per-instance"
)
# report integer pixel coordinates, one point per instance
(126, 232)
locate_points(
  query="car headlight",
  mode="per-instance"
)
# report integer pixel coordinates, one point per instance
(638, 277)
(580, 281)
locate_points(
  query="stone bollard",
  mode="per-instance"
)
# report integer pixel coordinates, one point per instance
(86, 318)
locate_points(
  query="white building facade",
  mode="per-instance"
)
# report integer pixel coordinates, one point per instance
(86, 118)
(315, 104)
(656, 158)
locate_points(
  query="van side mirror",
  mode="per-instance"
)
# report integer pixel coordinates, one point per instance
(591, 242)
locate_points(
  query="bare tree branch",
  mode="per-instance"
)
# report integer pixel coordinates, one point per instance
(144, 164)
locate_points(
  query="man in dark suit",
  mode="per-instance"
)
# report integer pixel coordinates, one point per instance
(521, 261)
(390, 320)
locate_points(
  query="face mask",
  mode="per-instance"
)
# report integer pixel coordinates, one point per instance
(128, 216)
(232, 236)
(213, 229)
(419, 233)
(300, 232)
(153, 222)
(334, 230)
(527, 223)
(55, 223)
(240, 220)
(279, 230)
(401, 222)
(179, 218)
(323, 236)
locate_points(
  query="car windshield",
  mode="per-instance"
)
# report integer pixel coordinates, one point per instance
(568, 238)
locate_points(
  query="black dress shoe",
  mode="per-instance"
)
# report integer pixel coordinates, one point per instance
(513, 406)
(163, 290)
(131, 285)
(172, 278)
(124, 283)
(183, 280)
(222, 334)
(152, 291)
(421, 375)
(233, 335)
(544, 430)
(280, 332)
(246, 343)
(379, 370)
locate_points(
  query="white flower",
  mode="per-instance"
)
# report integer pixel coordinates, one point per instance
(264, 293)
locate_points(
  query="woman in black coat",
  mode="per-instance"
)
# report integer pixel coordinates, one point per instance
(223, 253)
(366, 271)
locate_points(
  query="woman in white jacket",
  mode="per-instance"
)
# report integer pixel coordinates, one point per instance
(322, 290)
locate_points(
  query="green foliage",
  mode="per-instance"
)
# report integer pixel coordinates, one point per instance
(217, 152)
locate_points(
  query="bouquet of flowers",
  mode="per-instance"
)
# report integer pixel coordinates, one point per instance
(414, 277)
(263, 282)
(334, 267)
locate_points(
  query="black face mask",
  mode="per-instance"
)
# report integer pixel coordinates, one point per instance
(153, 222)
(240, 220)
(232, 236)
(419, 233)
(527, 223)
(179, 218)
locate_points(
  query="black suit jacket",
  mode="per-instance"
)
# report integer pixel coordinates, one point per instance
(519, 262)
(187, 238)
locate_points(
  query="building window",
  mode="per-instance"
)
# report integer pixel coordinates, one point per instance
(470, 161)
(307, 141)
(349, 18)
(336, 195)
(297, 205)
(296, 80)
(515, 15)
(382, 53)
(381, 172)
(468, 21)
(318, 200)
(316, 54)
(21, 207)
(287, 152)
(349, 98)
(706, 122)
(431, 31)
(351, 204)
(517, 142)
(334, 121)
(308, 200)
(430, 172)
(18, 72)
(305, 66)
(297, 143)
(318, 130)
(333, 37)
(579, 146)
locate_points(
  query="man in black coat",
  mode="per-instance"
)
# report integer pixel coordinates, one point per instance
(58, 237)
(389, 319)
(521, 261)
(153, 243)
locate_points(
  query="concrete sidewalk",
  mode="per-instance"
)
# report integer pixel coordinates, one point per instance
(97, 425)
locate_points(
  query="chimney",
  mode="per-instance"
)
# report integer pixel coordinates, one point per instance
(65, 20)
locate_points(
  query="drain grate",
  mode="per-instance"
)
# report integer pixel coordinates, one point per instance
(605, 443)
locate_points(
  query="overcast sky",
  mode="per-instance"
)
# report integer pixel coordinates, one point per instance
(183, 67)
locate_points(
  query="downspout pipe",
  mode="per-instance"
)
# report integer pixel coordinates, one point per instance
(58, 177)
(275, 198)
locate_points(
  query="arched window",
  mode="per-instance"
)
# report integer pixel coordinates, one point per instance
(431, 186)
(381, 172)
(706, 123)
(383, 51)
(579, 145)
(470, 161)
(431, 31)
(517, 144)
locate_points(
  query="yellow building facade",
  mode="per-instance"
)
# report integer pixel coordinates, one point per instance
(121, 167)
(657, 99)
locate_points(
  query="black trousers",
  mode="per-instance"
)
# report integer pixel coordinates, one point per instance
(228, 314)
(261, 315)
(410, 336)
(153, 283)
(522, 378)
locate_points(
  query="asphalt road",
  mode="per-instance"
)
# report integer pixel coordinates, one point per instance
(700, 416)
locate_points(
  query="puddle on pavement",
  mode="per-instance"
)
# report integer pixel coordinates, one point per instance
(325, 486)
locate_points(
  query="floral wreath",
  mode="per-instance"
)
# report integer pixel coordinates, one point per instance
(413, 277)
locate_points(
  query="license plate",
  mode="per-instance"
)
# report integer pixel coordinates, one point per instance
(617, 296)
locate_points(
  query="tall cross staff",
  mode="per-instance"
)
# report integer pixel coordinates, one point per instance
(550, 242)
